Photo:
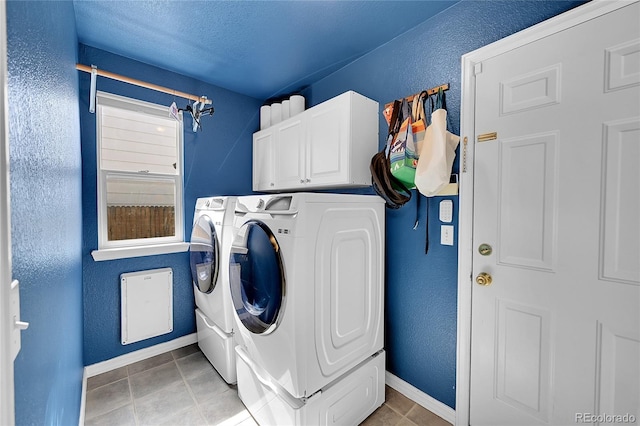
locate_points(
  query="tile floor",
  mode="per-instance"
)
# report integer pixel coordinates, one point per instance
(181, 388)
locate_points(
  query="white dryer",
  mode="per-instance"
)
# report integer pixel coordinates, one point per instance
(211, 239)
(306, 273)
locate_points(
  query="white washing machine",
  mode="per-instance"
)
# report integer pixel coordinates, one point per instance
(211, 239)
(306, 273)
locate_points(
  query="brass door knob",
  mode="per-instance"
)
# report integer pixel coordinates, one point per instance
(484, 279)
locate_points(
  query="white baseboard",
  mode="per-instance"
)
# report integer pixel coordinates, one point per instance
(131, 357)
(83, 397)
(416, 395)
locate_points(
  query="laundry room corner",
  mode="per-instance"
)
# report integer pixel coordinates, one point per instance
(200, 234)
(217, 159)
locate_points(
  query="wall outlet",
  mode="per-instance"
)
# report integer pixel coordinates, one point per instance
(446, 235)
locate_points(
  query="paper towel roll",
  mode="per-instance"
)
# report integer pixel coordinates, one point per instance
(265, 117)
(276, 113)
(296, 105)
(285, 110)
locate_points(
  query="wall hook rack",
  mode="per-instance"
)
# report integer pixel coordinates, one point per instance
(388, 108)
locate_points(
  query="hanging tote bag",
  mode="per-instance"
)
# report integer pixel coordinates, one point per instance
(419, 119)
(437, 153)
(403, 156)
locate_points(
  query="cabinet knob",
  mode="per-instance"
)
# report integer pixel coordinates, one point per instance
(271, 184)
(308, 180)
(301, 180)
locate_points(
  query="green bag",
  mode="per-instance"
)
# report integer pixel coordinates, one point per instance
(401, 148)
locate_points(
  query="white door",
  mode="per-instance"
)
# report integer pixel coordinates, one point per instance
(555, 337)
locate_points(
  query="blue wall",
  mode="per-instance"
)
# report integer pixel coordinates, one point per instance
(51, 249)
(46, 211)
(421, 289)
(217, 161)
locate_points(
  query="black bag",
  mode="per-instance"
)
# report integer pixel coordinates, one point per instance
(387, 186)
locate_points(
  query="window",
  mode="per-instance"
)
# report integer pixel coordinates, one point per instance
(139, 157)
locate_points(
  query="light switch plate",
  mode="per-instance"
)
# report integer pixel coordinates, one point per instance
(446, 235)
(446, 211)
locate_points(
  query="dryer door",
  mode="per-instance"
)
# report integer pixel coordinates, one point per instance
(204, 256)
(256, 277)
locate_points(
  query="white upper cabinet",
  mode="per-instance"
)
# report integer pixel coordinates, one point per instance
(263, 176)
(289, 153)
(326, 146)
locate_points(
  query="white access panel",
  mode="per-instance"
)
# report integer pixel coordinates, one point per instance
(147, 304)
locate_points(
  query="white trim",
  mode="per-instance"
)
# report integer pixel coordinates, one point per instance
(421, 398)
(551, 26)
(139, 355)
(109, 99)
(571, 18)
(7, 406)
(137, 251)
(83, 398)
(465, 247)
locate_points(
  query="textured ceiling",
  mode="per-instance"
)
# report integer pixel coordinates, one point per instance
(259, 48)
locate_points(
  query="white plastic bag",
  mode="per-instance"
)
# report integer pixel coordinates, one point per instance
(436, 156)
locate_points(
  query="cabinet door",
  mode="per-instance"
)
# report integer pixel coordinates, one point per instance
(289, 151)
(328, 142)
(263, 167)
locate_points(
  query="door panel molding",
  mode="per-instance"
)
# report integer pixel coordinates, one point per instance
(528, 175)
(620, 203)
(523, 344)
(537, 89)
(613, 382)
(617, 75)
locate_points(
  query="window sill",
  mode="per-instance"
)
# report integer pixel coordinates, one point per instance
(127, 252)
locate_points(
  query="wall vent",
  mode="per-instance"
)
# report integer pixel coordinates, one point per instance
(147, 304)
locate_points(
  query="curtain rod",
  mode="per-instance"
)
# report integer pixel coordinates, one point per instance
(144, 84)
